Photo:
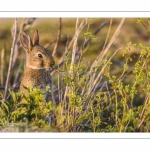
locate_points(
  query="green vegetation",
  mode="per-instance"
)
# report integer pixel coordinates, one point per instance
(100, 86)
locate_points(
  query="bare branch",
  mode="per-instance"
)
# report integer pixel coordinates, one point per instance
(58, 38)
(87, 42)
(10, 61)
(27, 24)
(97, 31)
(2, 66)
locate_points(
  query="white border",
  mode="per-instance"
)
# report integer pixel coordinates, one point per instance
(73, 14)
(58, 135)
(74, 8)
(69, 144)
(67, 141)
(74, 5)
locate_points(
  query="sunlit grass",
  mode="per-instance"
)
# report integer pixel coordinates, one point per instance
(118, 105)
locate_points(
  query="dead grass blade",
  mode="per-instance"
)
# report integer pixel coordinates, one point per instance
(2, 66)
(101, 56)
(10, 61)
(58, 38)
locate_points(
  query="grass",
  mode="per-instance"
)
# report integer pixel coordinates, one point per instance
(105, 88)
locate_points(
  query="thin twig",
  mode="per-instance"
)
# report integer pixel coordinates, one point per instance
(81, 26)
(100, 57)
(140, 124)
(75, 44)
(58, 38)
(87, 42)
(2, 66)
(61, 61)
(95, 33)
(108, 33)
(113, 38)
(27, 23)
(145, 103)
(94, 85)
(10, 61)
(50, 43)
(142, 114)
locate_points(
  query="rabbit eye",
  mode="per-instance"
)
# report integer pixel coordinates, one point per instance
(40, 56)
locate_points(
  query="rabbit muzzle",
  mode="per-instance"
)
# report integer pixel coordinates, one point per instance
(49, 65)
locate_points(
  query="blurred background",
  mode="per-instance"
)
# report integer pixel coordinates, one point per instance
(48, 31)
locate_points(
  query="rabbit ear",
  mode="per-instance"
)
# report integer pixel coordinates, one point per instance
(26, 41)
(35, 38)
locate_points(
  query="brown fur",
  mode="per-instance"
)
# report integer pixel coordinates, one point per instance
(38, 63)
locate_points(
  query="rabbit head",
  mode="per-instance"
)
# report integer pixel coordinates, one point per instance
(37, 57)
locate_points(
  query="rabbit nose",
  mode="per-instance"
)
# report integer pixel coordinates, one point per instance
(53, 63)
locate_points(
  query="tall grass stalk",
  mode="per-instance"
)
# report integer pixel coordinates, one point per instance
(95, 80)
(10, 61)
(58, 38)
(2, 66)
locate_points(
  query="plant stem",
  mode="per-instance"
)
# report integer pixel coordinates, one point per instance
(11, 59)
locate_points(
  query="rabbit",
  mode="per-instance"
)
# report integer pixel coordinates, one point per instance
(39, 61)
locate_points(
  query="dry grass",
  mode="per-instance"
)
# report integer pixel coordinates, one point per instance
(48, 28)
(109, 38)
